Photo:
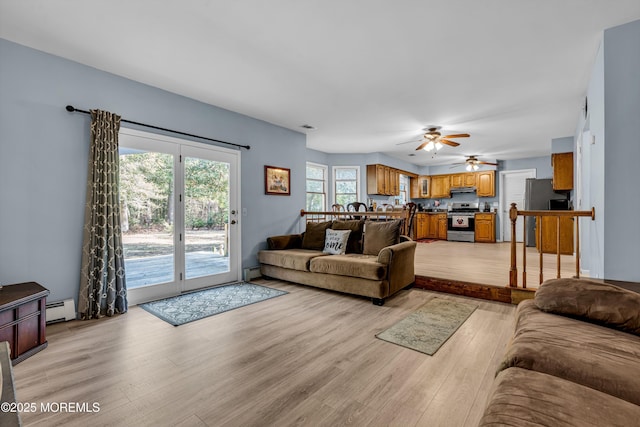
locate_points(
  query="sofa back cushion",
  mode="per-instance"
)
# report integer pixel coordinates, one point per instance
(380, 234)
(354, 244)
(313, 237)
(597, 302)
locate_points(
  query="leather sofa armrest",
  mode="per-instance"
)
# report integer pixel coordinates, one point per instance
(289, 241)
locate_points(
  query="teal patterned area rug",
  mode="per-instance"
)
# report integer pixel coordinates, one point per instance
(197, 305)
(427, 328)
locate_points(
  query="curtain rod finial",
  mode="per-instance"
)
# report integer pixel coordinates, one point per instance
(70, 108)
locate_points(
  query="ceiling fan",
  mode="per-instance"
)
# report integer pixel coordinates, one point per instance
(472, 163)
(433, 139)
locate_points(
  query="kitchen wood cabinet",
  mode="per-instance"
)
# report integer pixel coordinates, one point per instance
(420, 187)
(463, 179)
(486, 184)
(550, 235)
(421, 226)
(440, 185)
(442, 226)
(485, 227)
(22, 319)
(430, 225)
(383, 180)
(562, 171)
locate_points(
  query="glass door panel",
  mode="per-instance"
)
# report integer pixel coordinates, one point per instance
(147, 198)
(206, 209)
(210, 217)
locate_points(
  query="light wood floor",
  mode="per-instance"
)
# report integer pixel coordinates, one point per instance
(485, 263)
(306, 358)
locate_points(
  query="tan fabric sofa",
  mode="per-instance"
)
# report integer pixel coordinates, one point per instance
(574, 359)
(375, 264)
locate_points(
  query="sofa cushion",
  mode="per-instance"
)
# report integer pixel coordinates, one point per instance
(354, 245)
(335, 241)
(294, 259)
(602, 358)
(353, 265)
(288, 241)
(527, 398)
(313, 237)
(598, 302)
(380, 234)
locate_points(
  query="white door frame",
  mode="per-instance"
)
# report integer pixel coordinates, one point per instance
(501, 207)
(140, 295)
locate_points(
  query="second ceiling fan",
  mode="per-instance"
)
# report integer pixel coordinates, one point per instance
(434, 139)
(472, 163)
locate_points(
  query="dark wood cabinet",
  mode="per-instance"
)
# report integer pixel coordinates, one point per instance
(562, 171)
(23, 319)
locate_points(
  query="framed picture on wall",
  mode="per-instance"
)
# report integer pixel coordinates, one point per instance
(277, 181)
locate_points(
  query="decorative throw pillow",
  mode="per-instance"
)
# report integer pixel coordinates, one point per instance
(598, 302)
(335, 241)
(314, 235)
(354, 244)
(379, 235)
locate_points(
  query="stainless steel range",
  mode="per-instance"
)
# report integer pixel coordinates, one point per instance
(461, 222)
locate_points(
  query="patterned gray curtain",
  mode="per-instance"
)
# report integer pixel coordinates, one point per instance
(103, 289)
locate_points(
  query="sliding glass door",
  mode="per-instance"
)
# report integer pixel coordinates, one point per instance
(180, 223)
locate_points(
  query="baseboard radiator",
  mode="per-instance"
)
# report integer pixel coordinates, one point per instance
(61, 311)
(251, 273)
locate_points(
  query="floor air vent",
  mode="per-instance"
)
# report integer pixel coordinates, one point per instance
(61, 311)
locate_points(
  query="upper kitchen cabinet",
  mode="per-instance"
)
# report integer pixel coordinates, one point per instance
(440, 186)
(486, 183)
(562, 171)
(463, 179)
(420, 187)
(383, 180)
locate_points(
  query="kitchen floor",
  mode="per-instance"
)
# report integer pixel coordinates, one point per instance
(486, 263)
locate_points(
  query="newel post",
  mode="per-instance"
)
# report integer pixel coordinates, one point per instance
(513, 271)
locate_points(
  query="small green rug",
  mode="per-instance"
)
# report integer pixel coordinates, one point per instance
(427, 328)
(200, 304)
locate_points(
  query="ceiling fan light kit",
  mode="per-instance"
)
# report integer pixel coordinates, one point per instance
(433, 139)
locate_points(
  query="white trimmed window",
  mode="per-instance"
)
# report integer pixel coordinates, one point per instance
(346, 180)
(316, 187)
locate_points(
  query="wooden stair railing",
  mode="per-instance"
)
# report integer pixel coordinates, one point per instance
(318, 216)
(514, 213)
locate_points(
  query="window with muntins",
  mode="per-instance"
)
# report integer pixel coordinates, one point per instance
(346, 184)
(316, 187)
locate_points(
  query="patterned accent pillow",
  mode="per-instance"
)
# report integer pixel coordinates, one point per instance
(335, 241)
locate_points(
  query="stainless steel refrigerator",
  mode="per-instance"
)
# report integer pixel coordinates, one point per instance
(537, 194)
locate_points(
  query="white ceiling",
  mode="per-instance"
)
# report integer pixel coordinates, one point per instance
(369, 74)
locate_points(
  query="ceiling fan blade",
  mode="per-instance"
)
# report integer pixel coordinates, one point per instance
(487, 163)
(447, 142)
(421, 146)
(458, 135)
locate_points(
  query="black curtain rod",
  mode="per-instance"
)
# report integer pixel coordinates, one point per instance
(72, 109)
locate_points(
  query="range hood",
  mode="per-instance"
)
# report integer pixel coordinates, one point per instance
(463, 189)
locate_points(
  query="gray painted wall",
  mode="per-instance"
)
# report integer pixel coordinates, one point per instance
(44, 150)
(562, 145)
(609, 167)
(622, 151)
